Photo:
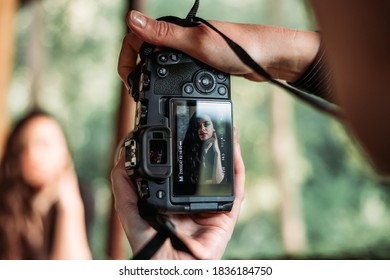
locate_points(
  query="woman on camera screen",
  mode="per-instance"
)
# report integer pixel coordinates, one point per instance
(202, 156)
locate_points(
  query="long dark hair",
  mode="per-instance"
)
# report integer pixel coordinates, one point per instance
(193, 150)
(20, 225)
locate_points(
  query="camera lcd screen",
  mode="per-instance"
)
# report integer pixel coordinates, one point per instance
(203, 145)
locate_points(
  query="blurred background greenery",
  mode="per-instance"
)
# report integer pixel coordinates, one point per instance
(309, 192)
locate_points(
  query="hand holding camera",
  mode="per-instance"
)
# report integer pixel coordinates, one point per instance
(295, 51)
(167, 153)
(205, 234)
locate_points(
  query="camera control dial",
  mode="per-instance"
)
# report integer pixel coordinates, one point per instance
(205, 81)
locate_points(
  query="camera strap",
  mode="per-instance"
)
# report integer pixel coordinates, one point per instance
(165, 228)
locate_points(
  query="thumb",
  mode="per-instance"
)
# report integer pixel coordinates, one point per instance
(156, 32)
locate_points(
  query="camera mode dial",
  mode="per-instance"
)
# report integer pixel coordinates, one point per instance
(205, 81)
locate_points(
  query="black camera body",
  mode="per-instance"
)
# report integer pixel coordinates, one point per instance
(180, 154)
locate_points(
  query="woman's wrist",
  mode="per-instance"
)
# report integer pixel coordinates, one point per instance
(294, 54)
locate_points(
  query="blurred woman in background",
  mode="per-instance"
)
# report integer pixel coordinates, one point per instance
(41, 210)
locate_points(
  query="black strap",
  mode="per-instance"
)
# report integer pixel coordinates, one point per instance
(315, 102)
(165, 229)
(163, 233)
(157, 241)
(151, 247)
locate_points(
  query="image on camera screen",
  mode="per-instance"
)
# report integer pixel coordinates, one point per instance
(203, 148)
(158, 152)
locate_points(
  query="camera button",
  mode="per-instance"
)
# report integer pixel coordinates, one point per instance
(143, 189)
(222, 90)
(189, 89)
(143, 114)
(160, 194)
(174, 57)
(145, 81)
(221, 76)
(205, 81)
(162, 72)
(163, 58)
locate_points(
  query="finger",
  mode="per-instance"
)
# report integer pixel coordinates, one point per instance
(122, 187)
(156, 32)
(137, 230)
(239, 172)
(199, 42)
(235, 136)
(128, 56)
(239, 179)
(239, 167)
(197, 248)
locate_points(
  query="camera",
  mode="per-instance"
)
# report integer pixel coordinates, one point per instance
(180, 154)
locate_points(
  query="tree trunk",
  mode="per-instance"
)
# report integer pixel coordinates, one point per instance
(125, 122)
(288, 173)
(8, 10)
(34, 52)
(287, 164)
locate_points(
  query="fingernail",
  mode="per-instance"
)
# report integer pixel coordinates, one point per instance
(138, 19)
